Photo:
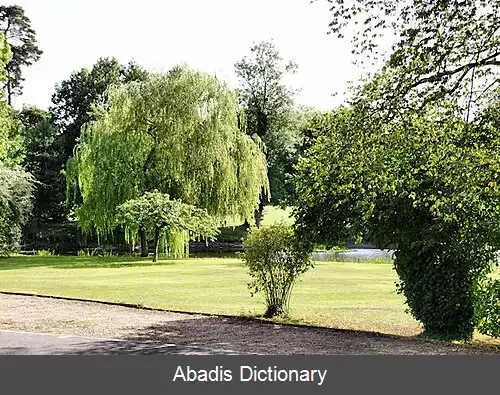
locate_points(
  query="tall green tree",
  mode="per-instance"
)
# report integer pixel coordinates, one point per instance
(16, 27)
(176, 133)
(16, 185)
(268, 104)
(75, 97)
(264, 95)
(43, 159)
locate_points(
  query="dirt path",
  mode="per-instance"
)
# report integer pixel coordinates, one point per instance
(154, 332)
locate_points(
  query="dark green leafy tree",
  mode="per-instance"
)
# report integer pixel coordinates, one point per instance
(176, 133)
(75, 97)
(445, 49)
(43, 159)
(283, 143)
(268, 105)
(16, 185)
(264, 94)
(275, 258)
(168, 220)
(426, 188)
(21, 37)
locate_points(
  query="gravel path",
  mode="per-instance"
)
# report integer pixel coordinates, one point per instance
(65, 317)
(154, 332)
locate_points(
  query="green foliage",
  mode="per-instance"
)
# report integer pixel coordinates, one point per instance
(445, 49)
(175, 133)
(171, 221)
(11, 141)
(16, 27)
(5, 56)
(75, 98)
(43, 159)
(98, 252)
(92, 252)
(414, 176)
(16, 189)
(275, 258)
(16, 185)
(268, 102)
(11, 144)
(232, 234)
(418, 187)
(46, 253)
(283, 141)
(488, 307)
(264, 95)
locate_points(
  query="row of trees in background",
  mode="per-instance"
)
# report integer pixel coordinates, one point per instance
(48, 138)
(176, 133)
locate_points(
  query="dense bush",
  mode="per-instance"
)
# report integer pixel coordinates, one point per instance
(439, 289)
(275, 259)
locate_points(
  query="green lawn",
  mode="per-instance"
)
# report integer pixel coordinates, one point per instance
(347, 295)
(342, 295)
(233, 231)
(273, 214)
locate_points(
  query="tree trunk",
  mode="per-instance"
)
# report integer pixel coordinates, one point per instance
(157, 245)
(260, 210)
(9, 92)
(258, 215)
(144, 242)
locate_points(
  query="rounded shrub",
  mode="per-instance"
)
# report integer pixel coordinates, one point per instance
(439, 290)
(275, 258)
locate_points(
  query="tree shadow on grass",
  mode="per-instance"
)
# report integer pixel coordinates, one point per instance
(75, 262)
(221, 335)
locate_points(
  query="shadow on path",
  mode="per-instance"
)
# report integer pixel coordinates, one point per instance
(219, 335)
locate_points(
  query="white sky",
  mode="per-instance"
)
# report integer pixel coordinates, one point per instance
(209, 35)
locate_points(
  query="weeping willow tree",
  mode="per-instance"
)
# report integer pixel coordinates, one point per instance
(176, 133)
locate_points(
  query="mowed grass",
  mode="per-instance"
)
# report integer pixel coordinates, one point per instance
(342, 295)
(270, 215)
(273, 215)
